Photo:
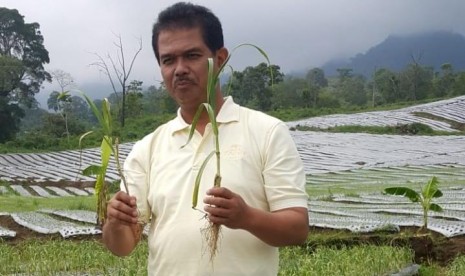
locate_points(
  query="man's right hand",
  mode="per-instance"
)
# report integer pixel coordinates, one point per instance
(121, 231)
(122, 209)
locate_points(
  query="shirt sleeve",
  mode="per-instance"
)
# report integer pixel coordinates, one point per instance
(283, 172)
(135, 172)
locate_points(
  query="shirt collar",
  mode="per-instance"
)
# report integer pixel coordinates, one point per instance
(229, 112)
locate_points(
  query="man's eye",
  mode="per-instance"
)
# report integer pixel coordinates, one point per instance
(193, 55)
(166, 61)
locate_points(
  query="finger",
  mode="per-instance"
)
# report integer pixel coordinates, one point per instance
(125, 218)
(124, 197)
(217, 220)
(216, 211)
(217, 201)
(220, 192)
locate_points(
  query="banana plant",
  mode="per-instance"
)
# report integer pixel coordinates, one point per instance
(424, 198)
(108, 147)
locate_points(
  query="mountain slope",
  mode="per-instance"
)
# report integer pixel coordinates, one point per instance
(395, 52)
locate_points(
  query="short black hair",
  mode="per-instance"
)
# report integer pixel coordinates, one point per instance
(188, 15)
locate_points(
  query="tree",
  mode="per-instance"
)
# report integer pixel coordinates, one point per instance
(22, 56)
(61, 101)
(416, 82)
(158, 101)
(351, 87)
(134, 105)
(117, 70)
(290, 93)
(387, 85)
(316, 80)
(444, 84)
(252, 87)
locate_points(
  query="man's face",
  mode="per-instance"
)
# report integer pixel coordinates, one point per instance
(183, 64)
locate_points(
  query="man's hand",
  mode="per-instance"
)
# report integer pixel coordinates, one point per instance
(279, 228)
(226, 208)
(121, 232)
(122, 209)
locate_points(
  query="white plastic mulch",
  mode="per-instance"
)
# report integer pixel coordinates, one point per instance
(41, 191)
(5, 233)
(77, 191)
(3, 190)
(59, 191)
(77, 215)
(20, 190)
(46, 224)
(367, 213)
(451, 109)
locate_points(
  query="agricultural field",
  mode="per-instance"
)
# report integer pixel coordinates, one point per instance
(346, 174)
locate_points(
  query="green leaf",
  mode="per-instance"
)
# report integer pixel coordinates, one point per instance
(212, 117)
(105, 151)
(260, 50)
(435, 207)
(211, 84)
(403, 191)
(97, 114)
(82, 137)
(92, 170)
(430, 190)
(195, 194)
(100, 181)
(63, 96)
(194, 124)
(106, 116)
(438, 193)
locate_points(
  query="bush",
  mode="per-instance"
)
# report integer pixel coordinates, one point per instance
(414, 129)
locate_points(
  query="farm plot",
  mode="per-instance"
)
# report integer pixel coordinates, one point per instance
(320, 152)
(367, 214)
(333, 162)
(66, 223)
(331, 152)
(54, 166)
(451, 109)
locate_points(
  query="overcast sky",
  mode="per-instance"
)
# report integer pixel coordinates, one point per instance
(296, 34)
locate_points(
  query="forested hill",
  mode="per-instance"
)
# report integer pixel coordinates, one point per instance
(395, 52)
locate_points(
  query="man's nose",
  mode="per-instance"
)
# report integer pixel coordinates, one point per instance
(181, 67)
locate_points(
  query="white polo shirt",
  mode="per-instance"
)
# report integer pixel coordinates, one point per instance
(259, 161)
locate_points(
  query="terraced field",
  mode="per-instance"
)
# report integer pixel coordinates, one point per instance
(452, 109)
(350, 169)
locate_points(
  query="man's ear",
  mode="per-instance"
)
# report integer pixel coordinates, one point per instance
(221, 56)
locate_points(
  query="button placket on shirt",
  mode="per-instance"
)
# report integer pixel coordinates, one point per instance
(199, 144)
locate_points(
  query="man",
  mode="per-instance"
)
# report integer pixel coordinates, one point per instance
(262, 203)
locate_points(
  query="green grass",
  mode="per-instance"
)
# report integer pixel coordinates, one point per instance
(15, 203)
(457, 267)
(360, 260)
(43, 257)
(411, 129)
(46, 257)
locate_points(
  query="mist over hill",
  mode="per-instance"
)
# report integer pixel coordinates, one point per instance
(396, 51)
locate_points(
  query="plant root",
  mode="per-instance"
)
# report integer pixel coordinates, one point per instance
(212, 236)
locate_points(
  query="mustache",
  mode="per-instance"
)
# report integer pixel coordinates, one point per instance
(183, 79)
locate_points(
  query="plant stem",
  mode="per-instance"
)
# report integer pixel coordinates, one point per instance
(118, 165)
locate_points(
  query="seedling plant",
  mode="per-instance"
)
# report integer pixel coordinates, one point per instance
(108, 147)
(211, 232)
(424, 198)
